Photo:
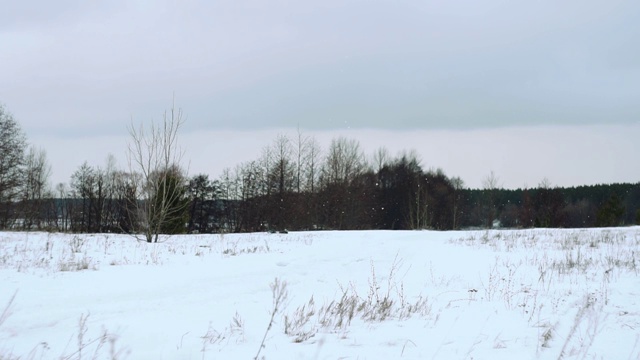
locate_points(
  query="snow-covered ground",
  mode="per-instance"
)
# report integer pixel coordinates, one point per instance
(545, 294)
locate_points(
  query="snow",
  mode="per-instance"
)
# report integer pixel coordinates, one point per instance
(498, 294)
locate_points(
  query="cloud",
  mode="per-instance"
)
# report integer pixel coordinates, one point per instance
(87, 68)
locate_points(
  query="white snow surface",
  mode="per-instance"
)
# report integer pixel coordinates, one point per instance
(499, 294)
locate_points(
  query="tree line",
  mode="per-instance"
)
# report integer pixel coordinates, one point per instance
(293, 184)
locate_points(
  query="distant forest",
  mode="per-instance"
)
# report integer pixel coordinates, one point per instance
(292, 185)
(345, 195)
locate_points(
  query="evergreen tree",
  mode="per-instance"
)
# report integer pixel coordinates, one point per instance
(172, 199)
(611, 213)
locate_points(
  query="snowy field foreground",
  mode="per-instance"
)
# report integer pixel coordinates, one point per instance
(528, 294)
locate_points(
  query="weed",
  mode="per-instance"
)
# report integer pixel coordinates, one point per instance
(299, 325)
(7, 309)
(95, 347)
(76, 243)
(279, 296)
(212, 336)
(546, 337)
(379, 305)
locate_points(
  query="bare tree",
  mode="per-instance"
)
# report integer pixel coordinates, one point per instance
(266, 164)
(491, 185)
(12, 147)
(416, 186)
(312, 163)
(36, 187)
(300, 152)
(491, 181)
(97, 190)
(344, 161)
(381, 159)
(418, 214)
(112, 184)
(154, 153)
(282, 175)
(253, 205)
(458, 186)
(37, 174)
(545, 183)
(63, 209)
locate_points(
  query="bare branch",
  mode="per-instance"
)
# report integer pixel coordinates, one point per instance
(156, 156)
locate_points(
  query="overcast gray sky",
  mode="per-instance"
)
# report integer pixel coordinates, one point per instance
(494, 81)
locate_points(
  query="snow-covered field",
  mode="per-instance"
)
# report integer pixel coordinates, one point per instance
(545, 294)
